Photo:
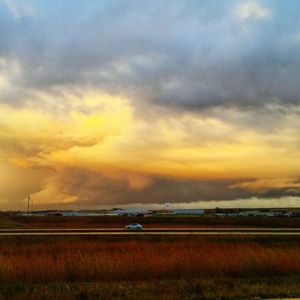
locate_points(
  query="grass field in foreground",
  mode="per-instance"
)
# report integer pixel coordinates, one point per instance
(208, 289)
(112, 267)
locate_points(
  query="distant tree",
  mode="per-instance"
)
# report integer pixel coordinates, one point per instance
(218, 210)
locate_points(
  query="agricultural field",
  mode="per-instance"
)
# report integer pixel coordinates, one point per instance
(149, 267)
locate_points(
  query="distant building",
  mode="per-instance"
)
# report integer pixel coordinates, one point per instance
(188, 211)
(261, 213)
(130, 212)
(57, 213)
(249, 213)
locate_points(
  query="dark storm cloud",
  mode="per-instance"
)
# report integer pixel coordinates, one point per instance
(186, 54)
(92, 188)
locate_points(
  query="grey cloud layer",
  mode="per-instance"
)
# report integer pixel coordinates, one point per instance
(188, 54)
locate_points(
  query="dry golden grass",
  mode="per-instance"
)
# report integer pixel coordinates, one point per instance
(82, 260)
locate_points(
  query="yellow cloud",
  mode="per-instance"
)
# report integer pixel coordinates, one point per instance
(101, 133)
(35, 132)
(168, 148)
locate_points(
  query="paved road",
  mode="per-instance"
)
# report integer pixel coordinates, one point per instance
(146, 233)
(151, 231)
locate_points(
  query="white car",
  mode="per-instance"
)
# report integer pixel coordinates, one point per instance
(134, 226)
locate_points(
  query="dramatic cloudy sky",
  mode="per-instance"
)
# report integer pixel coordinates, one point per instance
(109, 103)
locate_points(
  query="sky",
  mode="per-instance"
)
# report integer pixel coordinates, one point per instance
(127, 103)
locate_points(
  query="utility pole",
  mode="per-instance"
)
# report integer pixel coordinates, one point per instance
(28, 204)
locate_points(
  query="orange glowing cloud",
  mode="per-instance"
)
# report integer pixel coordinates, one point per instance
(103, 135)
